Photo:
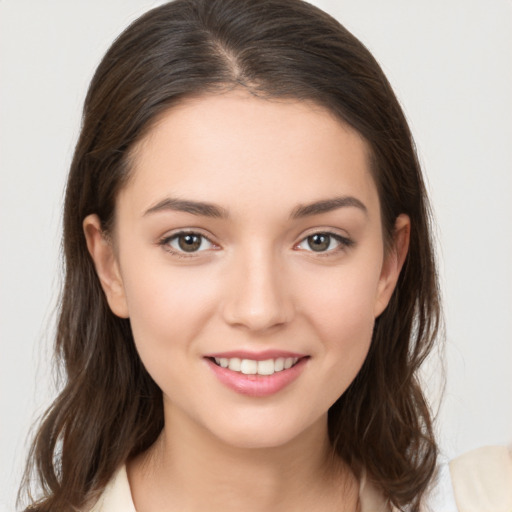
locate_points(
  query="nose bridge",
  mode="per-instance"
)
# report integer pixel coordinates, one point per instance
(257, 296)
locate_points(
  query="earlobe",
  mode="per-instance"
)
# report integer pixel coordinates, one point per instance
(393, 263)
(106, 264)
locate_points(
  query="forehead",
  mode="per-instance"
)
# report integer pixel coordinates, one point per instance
(236, 149)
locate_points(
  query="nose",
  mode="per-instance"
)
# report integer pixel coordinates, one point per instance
(257, 297)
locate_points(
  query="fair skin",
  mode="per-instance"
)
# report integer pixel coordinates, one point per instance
(257, 274)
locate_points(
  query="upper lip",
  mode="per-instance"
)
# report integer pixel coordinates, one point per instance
(255, 356)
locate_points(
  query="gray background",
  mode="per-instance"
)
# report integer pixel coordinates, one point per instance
(450, 65)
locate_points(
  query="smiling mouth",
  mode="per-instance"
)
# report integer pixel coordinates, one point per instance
(257, 375)
(252, 367)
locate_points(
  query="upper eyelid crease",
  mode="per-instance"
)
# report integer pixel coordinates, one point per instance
(193, 231)
(165, 241)
(342, 240)
(173, 236)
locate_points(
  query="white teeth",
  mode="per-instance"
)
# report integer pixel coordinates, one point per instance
(266, 367)
(252, 367)
(222, 361)
(234, 364)
(249, 367)
(279, 364)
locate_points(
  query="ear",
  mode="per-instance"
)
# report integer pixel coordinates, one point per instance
(107, 267)
(393, 262)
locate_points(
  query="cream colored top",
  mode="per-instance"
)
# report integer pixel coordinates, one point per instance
(482, 480)
(478, 481)
(117, 497)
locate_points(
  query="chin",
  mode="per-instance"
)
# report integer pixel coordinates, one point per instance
(257, 440)
(261, 432)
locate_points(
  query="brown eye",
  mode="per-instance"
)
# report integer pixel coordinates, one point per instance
(319, 242)
(187, 243)
(325, 242)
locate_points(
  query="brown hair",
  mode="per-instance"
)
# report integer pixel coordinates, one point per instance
(110, 409)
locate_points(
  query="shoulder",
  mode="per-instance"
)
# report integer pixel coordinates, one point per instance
(482, 480)
(477, 481)
(117, 495)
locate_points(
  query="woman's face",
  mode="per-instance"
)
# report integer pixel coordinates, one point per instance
(249, 239)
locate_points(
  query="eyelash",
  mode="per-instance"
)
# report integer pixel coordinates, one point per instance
(165, 243)
(344, 243)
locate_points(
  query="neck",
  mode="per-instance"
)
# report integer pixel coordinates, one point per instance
(189, 469)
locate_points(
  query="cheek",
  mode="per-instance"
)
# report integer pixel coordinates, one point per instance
(167, 308)
(343, 301)
(167, 312)
(341, 310)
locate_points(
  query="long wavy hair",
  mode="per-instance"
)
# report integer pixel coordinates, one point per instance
(109, 408)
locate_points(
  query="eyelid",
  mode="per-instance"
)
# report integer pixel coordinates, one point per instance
(165, 240)
(344, 242)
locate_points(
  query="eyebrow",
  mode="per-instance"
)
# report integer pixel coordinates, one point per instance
(206, 209)
(327, 205)
(194, 207)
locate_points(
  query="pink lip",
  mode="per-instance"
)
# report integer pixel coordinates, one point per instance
(257, 385)
(256, 356)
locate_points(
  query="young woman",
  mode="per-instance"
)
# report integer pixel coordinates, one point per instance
(250, 284)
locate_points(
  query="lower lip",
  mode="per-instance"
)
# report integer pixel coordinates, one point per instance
(257, 385)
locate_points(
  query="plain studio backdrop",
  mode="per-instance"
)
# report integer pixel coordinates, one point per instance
(450, 64)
